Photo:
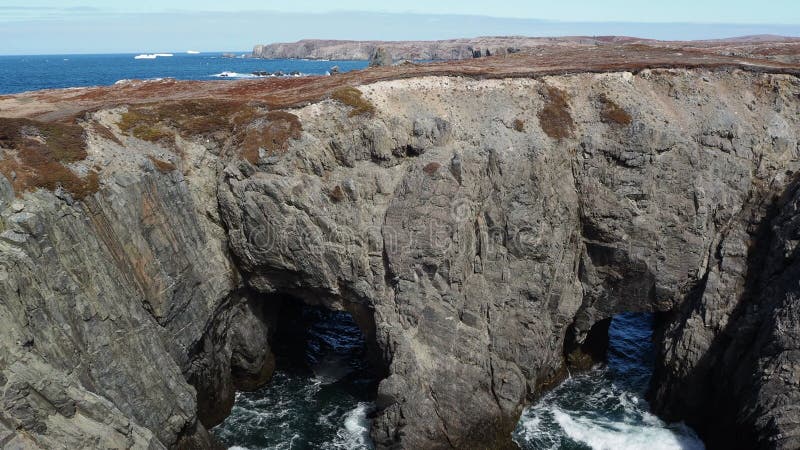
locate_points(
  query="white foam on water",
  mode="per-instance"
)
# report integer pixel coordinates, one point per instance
(604, 408)
(604, 435)
(548, 425)
(532, 425)
(354, 434)
(312, 389)
(228, 74)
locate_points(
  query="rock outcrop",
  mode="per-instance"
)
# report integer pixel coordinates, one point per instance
(477, 230)
(380, 57)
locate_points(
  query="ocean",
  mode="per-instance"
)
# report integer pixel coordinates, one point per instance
(604, 409)
(320, 395)
(29, 73)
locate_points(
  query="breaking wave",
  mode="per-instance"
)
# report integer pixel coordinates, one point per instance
(604, 409)
(320, 396)
(237, 75)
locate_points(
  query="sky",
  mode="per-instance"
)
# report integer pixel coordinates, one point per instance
(83, 26)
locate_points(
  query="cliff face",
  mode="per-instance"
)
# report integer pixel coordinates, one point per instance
(398, 50)
(776, 48)
(475, 229)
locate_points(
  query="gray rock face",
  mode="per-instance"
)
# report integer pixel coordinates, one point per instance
(485, 251)
(109, 306)
(476, 230)
(736, 362)
(380, 57)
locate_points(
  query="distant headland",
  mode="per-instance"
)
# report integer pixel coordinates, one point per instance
(466, 48)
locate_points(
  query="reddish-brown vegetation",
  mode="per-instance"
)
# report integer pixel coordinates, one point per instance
(36, 153)
(105, 132)
(611, 113)
(353, 98)
(431, 168)
(279, 93)
(190, 118)
(272, 135)
(162, 166)
(555, 118)
(519, 125)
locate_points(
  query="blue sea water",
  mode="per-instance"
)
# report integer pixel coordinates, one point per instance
(28, 73)
(604, 409)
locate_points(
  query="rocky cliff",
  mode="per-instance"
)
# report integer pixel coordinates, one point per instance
(778, 48)
(398, 50)
(476, 228)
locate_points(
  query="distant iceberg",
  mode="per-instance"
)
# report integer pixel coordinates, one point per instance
(192, 52)
(151, 55)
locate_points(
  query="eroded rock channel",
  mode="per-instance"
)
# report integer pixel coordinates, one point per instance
(322, 391)
(472, 229)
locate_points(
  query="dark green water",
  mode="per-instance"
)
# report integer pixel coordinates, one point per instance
(321, 396)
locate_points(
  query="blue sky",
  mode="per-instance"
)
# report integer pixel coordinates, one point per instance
(75, 26)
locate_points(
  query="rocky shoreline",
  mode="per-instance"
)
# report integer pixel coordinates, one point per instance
(481, 230)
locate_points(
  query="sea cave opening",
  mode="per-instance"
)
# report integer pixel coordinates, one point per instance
(602, 405)
(322, 392)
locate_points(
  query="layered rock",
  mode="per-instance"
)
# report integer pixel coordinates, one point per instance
(477, 230)
(111, 304)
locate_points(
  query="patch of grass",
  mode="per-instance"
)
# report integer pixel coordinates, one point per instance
(246, 122)
(88, 186)
(518, 125)
(190, 118)
(142, 124)
(162, 166)
(555, 118)
(151, 134)
(611, 113)
(37, 152)
(133, 118)
(105, 133)
(353, 98)
(64, 142)
(272, 136)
